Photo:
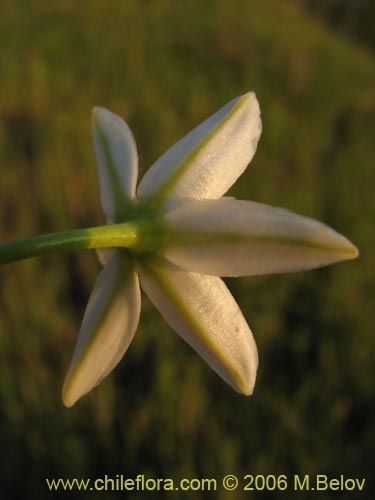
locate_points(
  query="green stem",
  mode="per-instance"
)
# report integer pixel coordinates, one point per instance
(125, 234)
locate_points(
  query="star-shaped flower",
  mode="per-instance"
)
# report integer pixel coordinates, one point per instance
(191, 237)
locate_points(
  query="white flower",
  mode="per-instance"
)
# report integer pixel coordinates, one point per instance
(192, 236)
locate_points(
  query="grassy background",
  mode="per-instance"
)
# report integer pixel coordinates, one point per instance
(165, 66)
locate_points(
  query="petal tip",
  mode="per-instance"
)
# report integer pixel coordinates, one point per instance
(74, 388)
(68, 396)
(250, 95)
(347, 251)
(96, 110)
(353, 251)
(246, 390)
(246, 384)
(250, 98)
(99, 114)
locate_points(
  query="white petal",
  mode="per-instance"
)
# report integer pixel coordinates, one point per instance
(229, 237)
(108, 327)
(207, 161)
(117, 160)
(204, 313)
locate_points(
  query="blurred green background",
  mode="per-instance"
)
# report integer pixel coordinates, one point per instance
(165, 66)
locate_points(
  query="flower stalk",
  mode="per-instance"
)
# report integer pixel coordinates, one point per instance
(124, 234)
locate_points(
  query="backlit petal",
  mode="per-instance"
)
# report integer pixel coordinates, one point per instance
(108, 327)
(117, 160)
(204, 313)
(229, 237)
(207, 161)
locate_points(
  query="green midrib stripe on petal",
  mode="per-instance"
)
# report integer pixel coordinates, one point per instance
(193, 322)
(181, 238)
(160, 196)
(120, 199)
(124, 270)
